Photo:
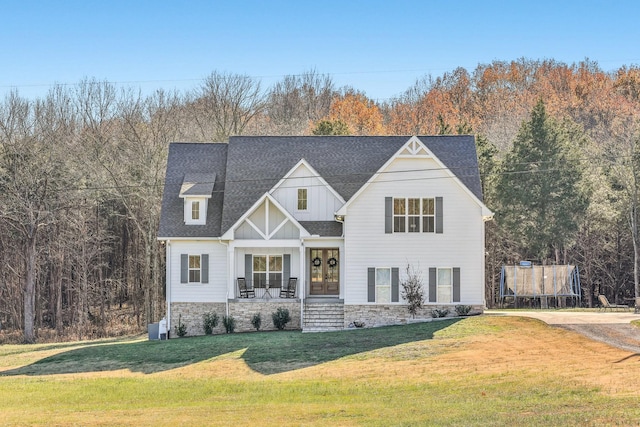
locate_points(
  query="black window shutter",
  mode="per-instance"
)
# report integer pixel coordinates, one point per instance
(204, 265)
(388, 215)
(395, 284)
(248, 269)
(371, 284)
(184, 268)
(456, 284)
(286, 268)
(439, 219)
(432, 284)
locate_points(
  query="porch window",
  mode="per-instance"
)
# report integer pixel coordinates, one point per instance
(383, 285)
(302, 199)
(194, 268)
(267, 270)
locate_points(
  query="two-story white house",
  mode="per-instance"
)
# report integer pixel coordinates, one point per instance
(324, 226)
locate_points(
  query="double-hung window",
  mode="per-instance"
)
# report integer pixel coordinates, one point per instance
(267, 270)
(195, 210)
(302, 199)
(194, 269)
(383, 285)
(414, 215)
(445, 284)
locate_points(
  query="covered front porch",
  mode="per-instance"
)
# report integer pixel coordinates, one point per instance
(286, 269)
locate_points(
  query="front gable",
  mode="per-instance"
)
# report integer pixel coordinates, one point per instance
(306, 195)
(266, 220)
(414, 162)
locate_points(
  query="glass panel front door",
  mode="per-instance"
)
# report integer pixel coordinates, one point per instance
(325, 271)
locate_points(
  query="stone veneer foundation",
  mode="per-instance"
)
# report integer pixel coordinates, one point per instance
(372, 315)
(190, 314)
(392, 314)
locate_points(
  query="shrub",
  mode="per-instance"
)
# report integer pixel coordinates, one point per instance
(256, 321)
(229, 324)
(280, 318)
(181, 328)
(412, 291)
(463, 310)
(209, 321)
(436, 312)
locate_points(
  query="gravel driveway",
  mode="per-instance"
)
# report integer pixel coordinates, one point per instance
(613, 328)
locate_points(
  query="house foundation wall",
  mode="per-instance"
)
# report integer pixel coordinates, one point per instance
(190, 314)
(393, 314)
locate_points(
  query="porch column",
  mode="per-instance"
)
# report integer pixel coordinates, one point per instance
(231, 273)
(301, 280)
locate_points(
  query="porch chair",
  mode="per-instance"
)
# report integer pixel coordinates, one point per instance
(289, 290)
(246, 291)
(606, 304)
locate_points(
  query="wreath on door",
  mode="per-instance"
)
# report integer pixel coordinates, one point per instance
(332, 262)
(317, 262)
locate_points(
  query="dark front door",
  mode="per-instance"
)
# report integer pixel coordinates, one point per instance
(325, 272)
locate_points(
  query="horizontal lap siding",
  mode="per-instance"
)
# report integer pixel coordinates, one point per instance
(216, 289)
(461, 244)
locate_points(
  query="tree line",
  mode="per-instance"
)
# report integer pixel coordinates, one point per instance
(82, 169)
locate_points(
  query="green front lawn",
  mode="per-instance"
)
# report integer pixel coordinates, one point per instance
(476, 371)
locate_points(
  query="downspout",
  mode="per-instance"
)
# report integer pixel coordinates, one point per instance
(344, 271)
(483, 261)
(303, 282)
(168, 280)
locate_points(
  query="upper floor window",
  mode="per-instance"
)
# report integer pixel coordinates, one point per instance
(414, 215)
(302, 199)
(195, 210)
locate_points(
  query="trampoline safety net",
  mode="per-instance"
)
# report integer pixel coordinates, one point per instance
(540, 280)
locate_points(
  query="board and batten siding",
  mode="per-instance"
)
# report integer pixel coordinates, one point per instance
(321, 202)
(460, 245)
(216, 288)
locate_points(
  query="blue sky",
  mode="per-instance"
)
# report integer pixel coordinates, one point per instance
(379, 47)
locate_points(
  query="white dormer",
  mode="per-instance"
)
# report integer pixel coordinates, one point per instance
(196, 191)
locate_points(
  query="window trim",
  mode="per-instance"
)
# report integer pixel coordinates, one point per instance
(305, 200)
(189, 203)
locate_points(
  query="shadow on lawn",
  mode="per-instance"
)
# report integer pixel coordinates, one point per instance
(265, 352)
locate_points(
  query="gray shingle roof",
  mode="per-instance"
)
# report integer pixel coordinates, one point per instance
(189, 159)
(323, 228)
(198, 184)
(255, 164)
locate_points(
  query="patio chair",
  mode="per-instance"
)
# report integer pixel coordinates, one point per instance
(607, 305)
(246, 291)
(289, 290)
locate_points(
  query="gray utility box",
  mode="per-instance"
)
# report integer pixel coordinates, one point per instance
(153, 329)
